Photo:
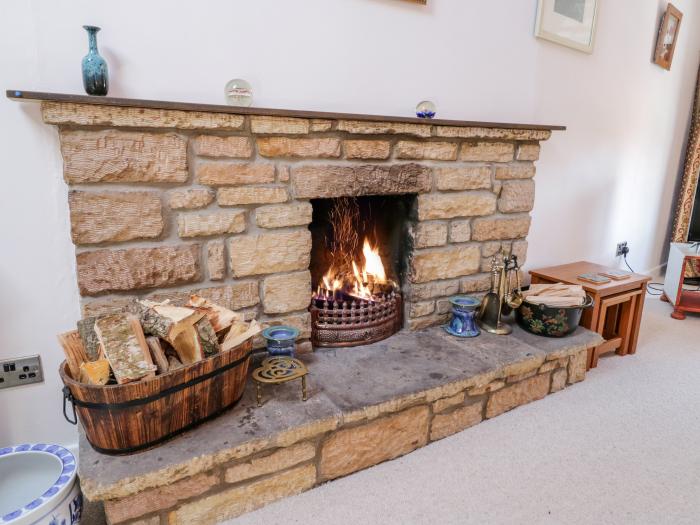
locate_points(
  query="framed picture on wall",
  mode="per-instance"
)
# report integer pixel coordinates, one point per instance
(668, 34)
(570, 23)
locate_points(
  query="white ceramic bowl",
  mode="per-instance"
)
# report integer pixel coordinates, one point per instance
(38, 485)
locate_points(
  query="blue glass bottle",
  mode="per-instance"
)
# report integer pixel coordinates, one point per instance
(95, 74)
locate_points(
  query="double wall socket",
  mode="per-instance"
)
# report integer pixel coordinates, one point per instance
(20, 371)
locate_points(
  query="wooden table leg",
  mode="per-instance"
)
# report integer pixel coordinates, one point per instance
(632, 347)
(626, 323)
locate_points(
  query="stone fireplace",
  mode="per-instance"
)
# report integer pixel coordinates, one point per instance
(169, 199)
(236, 204)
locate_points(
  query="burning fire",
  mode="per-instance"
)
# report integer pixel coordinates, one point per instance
(347, 276)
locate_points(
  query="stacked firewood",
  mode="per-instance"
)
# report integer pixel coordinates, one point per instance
(151, 339)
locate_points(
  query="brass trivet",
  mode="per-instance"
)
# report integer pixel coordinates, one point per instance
(277, 370)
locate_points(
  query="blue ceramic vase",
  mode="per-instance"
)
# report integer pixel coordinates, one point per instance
(281, 340)
(463, 322)
(95, 74)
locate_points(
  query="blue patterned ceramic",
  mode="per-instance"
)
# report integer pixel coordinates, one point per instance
(463, 322)
(281, 340)
(95, 74)
(44, 489)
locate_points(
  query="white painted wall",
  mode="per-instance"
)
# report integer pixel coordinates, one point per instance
(609, 177)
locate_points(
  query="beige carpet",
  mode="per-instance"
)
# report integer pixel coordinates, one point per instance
(621, 447)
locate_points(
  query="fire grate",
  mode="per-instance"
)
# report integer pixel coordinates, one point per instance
(353, 322)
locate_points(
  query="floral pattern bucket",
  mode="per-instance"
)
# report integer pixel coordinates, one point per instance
(550, 321)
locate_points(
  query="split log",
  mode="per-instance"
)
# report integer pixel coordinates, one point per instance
(86, 329)
(188, 346)
(125, 347)
(174, 363)
(166, 321)
(239, 333)
(219, 317)
(74, 351)
(207, 337)
(158, 354)
(95, 372)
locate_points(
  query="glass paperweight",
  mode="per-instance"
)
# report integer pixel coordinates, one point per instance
(425, 109)
(238, 92)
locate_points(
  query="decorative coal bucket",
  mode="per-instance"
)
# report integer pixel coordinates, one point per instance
(463, 322)
(550, 321)
(281, 340)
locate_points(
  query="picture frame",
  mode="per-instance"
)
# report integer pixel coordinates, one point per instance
(570, 23)
(667, 37)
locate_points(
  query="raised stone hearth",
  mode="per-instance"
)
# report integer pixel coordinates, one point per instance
(366, 406)
(167, 199)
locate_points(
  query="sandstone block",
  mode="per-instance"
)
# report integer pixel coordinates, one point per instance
(367, 149)
(270, 253)
(464, 178)
(492, 133)
(548, 366)
(408, 149)
(450, 205)
(215, 146)
(475, 283)
(190, 199)
(517, 196)
(519, 377)
(203, 224)
(154, 500)
(454, 261)
(121, 117)
(420, 323)
(111, 305)
(443, 306)
(460, 231)
(448, 402)
(319, 124)
(518, 394)
(515, 171)
(558, 380)
(284, 215)
(216, 261)
(487, 151)
(428, 234)
(452, 422)
(311, 182)
(384, 128)
(519, 249)
(114, 217)
(577, 367)
(269, 125)
(228, 174)
(123, 156)
(323, 148)
(486, 389)
(251, 195)
(234, 296)
(528, 152)
(434, 289)
(286, 292)
(283, 173)
(282, 459)
(238, 500)
(484, 229)
(421, 308)
(103, 271)
(357, 448)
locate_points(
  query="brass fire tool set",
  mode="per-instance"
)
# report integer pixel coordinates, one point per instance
(505, 295)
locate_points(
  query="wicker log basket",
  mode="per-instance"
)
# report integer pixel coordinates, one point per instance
(127, 418)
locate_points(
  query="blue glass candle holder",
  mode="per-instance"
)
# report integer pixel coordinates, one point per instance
(463, 322)
(281, 340)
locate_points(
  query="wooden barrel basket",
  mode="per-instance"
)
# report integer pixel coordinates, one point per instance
(128, 418)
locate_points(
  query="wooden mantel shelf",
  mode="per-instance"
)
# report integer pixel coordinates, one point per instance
(35, 96)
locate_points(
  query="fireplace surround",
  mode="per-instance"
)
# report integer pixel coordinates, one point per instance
(167, 199)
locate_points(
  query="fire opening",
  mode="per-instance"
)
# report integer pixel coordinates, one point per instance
(359, 258)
